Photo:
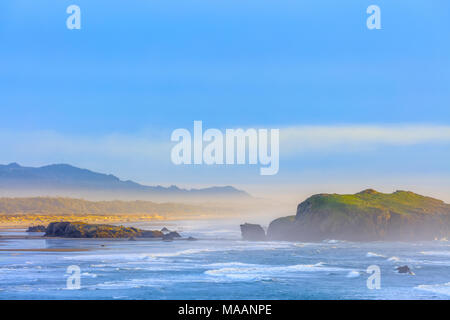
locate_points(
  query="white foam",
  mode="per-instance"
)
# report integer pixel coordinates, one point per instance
(353, 274)
(249, 271)
(179, 253)
(394, 258)
(87, 274)
(230, 264)
(332, 241)
(374, 255)
(436, 288)
(436, 253)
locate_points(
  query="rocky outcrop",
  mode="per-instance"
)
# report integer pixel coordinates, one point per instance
(252, 232)
(83, 230)
(171, 235)
(404, 269)
(39, 228)
(366, 216)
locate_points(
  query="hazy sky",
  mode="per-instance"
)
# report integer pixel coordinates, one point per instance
(356, 107)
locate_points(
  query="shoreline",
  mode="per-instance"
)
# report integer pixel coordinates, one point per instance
(46, 250)
(102, 239)
(107, 219)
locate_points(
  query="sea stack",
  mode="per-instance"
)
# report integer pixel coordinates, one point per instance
(252, 232)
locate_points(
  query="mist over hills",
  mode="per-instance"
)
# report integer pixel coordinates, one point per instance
(70, 181)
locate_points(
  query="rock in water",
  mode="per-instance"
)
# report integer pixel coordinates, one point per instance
(84, 230)
(39, 228)
(171, 235)
(404, 269)
(365, 216)
(252, 232)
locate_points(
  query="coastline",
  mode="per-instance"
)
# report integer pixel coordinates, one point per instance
(46, 250)
(26, 220)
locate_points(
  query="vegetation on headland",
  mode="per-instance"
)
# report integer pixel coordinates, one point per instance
(61, 206)
(43, 210)
(19, 220)
(367, 215)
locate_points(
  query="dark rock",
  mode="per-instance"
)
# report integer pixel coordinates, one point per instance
(165, 230)
(252, 232)
(150, 234)
(39, 228)
(191, 239)
(83, 230)
(171, 235)
(404, 269)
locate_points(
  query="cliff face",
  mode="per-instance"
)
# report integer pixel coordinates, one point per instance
(366, 216)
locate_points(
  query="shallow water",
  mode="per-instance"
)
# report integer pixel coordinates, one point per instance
(221, 266)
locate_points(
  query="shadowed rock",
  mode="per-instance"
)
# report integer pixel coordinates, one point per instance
(83, 230)
(252, 232)
(404, 269)
(171, 235)
(39, 228)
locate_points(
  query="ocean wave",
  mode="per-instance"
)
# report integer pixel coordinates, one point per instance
(230, 264)
(436, 288)
(374, 255)
(87, 274)
(436, 253)
(250, 271)
(332, 241)
(180, 253)
(103, 258)
(394, 258)
(126, 284)
(353, 274)
(299, 244)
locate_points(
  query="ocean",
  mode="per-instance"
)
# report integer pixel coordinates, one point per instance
(220, 266)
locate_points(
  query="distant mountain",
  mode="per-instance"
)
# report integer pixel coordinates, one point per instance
(67, 180)
(365, 216)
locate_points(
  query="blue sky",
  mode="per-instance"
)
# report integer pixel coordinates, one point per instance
(107, 97)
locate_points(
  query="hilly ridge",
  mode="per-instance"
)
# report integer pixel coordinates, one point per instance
(67, 180)
(367, 215)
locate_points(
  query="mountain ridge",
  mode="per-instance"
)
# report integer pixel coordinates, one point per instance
(60, 179)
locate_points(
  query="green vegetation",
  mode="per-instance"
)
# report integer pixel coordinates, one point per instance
(367, 215)
(61, 206)
(370, 201)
